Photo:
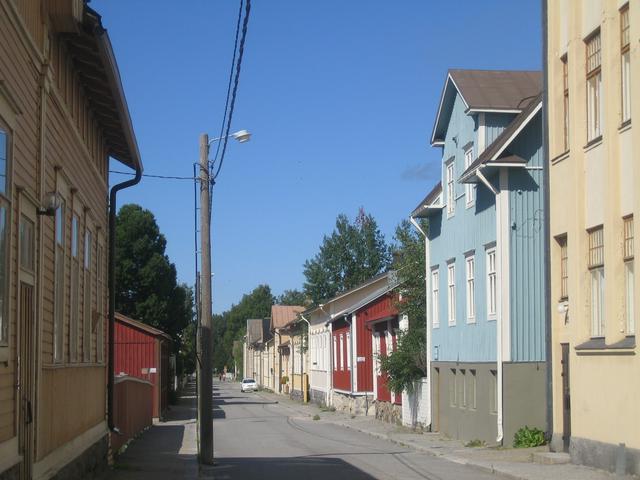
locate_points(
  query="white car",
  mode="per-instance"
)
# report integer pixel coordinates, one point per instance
(248, 385)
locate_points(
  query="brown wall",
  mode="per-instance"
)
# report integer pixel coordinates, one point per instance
(133, 409)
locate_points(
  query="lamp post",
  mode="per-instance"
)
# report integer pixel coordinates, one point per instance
(205, 377)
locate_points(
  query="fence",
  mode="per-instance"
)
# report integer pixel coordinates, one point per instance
(133, 409)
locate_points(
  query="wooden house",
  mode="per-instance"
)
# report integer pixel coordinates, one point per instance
(63, 114)
(142, 351)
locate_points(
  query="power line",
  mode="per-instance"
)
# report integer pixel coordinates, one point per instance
(235, 86)
(165, 177)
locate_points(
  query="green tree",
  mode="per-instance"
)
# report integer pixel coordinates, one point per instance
(231, 325)
(293, 297)
(353, 253)
(146, 281)
(408, 362)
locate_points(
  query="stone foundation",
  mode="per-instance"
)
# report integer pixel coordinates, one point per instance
(318, 397)
(598, 454)
(296, 395)
(388, 412)
(355, 405)
(12, 474)
(90, 464)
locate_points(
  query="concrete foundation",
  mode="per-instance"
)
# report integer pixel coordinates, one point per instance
(90, 464)
(601, 455)
(318, 397)
(388, 412)
(11, 474)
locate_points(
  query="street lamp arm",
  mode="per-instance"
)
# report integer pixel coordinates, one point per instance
(241, 136)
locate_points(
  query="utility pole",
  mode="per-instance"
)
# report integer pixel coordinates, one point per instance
(206, 376)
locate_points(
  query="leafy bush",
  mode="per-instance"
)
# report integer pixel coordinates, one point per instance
(528, 437)
(316, 417)
(475, 443)
(407, 363)
(284, 380)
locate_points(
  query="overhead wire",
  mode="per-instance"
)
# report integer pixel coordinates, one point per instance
(165, 177)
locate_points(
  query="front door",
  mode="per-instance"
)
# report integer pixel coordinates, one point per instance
(383, 392)
(566, 398)
(27, 335)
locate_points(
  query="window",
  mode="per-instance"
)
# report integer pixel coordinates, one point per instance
(625, 62)
(58, 330)
(471, 289)
(469, 188)
(492, 287)
(74, 331)
(341, 353)
(594, 88)
(348, 340)
(4, 239)
(27, 244)
(565, 105)
(471, 390)
(493, 392)
(335, 353)
(451, 194)
(435, 298)
(564, 268)
(629, 276)
(451, 292)
(86, 325)
(596, 267)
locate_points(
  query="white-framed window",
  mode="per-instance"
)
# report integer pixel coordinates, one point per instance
(594, 86)
(492, 286)
(564, 268)
(341, 352)
(348, 340)
(625, 60)
(629, 276)
(470, 262)
(435, 298)
(451, 293)
(58, 327)
(469, 188)
(596, 268)
(451, 191)
(335, 353)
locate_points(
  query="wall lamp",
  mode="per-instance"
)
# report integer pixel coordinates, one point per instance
(52, 202)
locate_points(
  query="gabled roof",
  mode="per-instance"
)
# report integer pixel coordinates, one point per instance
(492, 155)
(431, 203)
(281, 315)
(257, 330)
(485, 91)
(141, 326)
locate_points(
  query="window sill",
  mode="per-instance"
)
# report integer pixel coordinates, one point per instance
(492, 318)
(452, 324)
(598, 346)
(56, 366)
(560, 158)
(596, 142)
(624, 126)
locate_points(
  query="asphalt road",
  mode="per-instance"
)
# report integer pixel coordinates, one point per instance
(256, 438)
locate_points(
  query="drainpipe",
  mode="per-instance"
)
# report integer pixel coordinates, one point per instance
(112, 287)
(547, 223)
(304, 398)
(427, 313)
(499, 226)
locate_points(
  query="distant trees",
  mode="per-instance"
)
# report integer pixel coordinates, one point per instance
(353, 253)
(146, 281)
(293, 297)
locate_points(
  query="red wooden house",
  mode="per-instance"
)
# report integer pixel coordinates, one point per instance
(142, 351)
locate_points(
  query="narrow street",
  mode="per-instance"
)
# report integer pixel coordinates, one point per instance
(256, 438)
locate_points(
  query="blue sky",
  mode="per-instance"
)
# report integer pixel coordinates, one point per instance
(340, 97)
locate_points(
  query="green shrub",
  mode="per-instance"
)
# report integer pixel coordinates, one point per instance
(316, 417)
(528, 437)
(475, 443)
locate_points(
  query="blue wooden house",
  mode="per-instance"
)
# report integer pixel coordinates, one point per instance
(485, 265)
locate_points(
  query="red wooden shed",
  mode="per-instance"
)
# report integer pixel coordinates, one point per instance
(142, 351)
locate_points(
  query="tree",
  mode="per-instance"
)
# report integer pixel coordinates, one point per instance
(293, 297)
(408, 362)
(146, 281)
(231, 325)
(352, 254)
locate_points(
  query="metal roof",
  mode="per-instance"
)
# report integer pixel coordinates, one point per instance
(428, 206)
(281, 315)
(141, 326)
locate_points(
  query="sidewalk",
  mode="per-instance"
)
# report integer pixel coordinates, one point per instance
(168, 450)
(510, 463)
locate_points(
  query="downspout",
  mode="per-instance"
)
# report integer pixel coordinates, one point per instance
(427, 312)
(499, 406)
(547, 221)
(112, 287)
(304, 398)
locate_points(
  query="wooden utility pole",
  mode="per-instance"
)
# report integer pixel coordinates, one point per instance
(205, 379)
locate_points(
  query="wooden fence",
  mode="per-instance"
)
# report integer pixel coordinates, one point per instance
(133, 409)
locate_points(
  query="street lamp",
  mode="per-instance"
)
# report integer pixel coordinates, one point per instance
(205, 374)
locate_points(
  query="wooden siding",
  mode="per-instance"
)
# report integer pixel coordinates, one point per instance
(69, 399)
(470, 229)
(526, 241)
(132, 409)
(341, 376)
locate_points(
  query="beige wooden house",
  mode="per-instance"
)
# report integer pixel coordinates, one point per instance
(62, 115)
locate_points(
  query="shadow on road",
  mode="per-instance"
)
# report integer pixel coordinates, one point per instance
(309, 468)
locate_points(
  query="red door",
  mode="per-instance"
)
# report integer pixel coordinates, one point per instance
(383, 393)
